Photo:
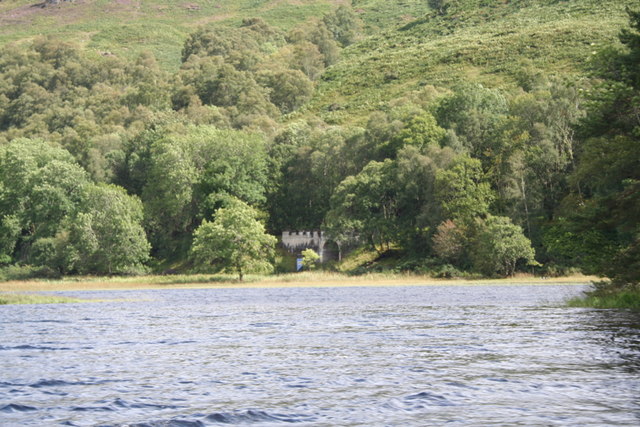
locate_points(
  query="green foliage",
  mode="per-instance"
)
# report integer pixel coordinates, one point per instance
(317, 161)
(417, 199)
(473, 112)
(499, 245)
(420, 131)
(41, 186)
(235, 240)
(106, 236)
(289, 89)
(600, 217)
(190, 171)
(462, 191)
(53, 216)
(310, 259)
(365, 205)
(344, 24)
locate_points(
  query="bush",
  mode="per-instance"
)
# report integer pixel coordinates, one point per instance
(26, 272)
(447, 271)
(310, 259)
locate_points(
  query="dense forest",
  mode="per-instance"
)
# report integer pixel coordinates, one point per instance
(112, 165)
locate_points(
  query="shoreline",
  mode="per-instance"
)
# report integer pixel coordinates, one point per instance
(299, 280)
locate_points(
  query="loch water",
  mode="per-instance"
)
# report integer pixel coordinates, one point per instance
(347, 356)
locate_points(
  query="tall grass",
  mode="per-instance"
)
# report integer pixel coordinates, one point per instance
(626, 299)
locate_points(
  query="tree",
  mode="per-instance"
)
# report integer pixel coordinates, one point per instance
(321, 37)
(499, 245)
(365, 205)
(599, 220)
(189, 170)
(317, 163)
(473, 112)
(290, 89)
(40, 186)
(106, 234)
(420, 131)
(235, 240)
(343, 24)
(418, 204)
(462, 191)
(449, 242)
(310, 259)
(306, 57)
(51, 214)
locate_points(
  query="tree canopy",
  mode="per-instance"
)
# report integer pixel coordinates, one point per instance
(235, 240)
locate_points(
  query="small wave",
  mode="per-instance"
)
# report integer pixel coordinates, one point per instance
(251, 416)
(51, 383)
(47, 321)
(435, 399)
(61, 383)
(124, 404)
(92, 408)
(6, 384)
(498, 380)
(32, 347)
(264, 324)
(170, 423)
(14, 407)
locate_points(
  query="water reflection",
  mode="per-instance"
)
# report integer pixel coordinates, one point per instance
(349, 356)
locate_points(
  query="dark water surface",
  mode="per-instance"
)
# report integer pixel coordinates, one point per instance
(462, 355)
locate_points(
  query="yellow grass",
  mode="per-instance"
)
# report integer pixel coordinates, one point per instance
(310, 279)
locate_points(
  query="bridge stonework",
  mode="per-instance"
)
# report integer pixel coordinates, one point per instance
(297, 241)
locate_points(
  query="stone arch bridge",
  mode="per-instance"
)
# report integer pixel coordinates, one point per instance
(297, 241)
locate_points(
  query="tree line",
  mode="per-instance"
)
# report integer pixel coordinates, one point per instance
(107, 164)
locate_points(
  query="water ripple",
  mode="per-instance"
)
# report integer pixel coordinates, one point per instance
(12, 407)
(327, 356)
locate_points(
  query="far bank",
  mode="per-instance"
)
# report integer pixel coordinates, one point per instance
(308, 279)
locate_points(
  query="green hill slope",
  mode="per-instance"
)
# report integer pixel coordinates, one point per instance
(404, 43)
(491, 42)
(127, 27)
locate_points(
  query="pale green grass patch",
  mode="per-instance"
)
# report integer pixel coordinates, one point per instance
(12, 298)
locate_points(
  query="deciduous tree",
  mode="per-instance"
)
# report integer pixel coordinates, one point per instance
(235, 240)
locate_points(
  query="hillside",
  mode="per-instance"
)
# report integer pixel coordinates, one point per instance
(494, 44)
(404, 44)
(127, 27)
(436, 130)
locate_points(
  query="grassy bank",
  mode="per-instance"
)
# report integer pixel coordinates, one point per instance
(625, 299)
(308, 279)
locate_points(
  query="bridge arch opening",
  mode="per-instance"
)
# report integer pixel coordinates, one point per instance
(330, 251)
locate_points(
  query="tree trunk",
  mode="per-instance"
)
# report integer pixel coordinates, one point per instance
(526, 206)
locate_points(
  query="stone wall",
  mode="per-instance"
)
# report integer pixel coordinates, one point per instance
(297, 241)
